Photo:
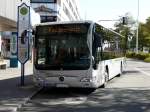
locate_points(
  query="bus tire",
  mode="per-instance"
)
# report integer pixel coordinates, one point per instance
(106, 74)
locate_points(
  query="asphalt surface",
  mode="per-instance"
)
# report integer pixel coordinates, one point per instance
(128, 93)
(12, 95)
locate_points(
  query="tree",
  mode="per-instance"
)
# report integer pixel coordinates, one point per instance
(144, 34)
(147, 32)
(126, 30)
(129, 30)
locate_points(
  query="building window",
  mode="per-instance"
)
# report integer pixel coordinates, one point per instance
(43, 1)
(48, 18)
(67, 12)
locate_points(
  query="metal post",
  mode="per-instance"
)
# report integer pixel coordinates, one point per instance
(137, 33)
(22, 74)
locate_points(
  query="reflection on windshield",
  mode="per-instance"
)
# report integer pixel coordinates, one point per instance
(67, 51)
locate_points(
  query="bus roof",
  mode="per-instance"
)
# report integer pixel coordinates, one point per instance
(64, 22)
(73, 22)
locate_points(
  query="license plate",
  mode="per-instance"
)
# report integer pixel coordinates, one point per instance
(62, 85)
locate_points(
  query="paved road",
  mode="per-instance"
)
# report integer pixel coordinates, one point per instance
(128, 93)
(137, 75)
(12, 95)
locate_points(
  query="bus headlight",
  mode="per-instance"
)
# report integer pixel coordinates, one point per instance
(85, 80)
(38, 78)
(94, 78)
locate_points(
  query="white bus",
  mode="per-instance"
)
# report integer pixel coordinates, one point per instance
(80, 54)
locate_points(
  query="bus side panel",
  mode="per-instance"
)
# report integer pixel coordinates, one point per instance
(114, 67)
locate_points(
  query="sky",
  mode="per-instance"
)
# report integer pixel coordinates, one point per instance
(112, 10)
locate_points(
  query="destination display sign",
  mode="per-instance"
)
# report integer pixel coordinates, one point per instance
(65, 29)
(73, 28)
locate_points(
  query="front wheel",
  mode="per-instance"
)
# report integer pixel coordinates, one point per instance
(106, 74)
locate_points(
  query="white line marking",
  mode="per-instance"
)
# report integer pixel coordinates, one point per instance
(146, 73)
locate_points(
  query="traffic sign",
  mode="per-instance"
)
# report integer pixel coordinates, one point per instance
(23, 36)
(23, 32)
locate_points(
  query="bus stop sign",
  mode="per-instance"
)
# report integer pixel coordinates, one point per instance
(23, 32)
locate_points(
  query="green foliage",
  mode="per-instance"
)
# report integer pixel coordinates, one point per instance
(111, 55)
(140, 56)
(127, 30)
(130, 30)
(130, 54)
(144, 34)
(147, 59)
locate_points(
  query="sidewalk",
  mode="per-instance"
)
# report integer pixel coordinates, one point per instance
(12, 95)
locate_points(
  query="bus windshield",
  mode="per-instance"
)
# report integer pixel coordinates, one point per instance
(62, 48)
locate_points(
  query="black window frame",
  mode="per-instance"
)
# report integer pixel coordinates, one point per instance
(96, 46)
(53, 18)
(111, 38)
(41, 1)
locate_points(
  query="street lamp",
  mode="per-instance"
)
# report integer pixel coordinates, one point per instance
(137, 33)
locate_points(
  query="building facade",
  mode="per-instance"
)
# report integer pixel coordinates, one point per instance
(56, 10)
(49, 10)
(8, 15)
(8, 23)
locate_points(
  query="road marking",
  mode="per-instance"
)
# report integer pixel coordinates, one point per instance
(146, 73)
(68, 101)
(27, 100)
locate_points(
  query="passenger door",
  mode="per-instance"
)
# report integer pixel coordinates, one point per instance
(97, 55)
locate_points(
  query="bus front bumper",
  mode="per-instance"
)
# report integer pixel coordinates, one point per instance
(67, 83)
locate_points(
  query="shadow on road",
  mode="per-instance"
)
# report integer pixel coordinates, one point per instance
(101, 100)
(131, 71)
(12, 94)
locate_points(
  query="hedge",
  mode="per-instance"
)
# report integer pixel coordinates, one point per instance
(140, 56)
(147, 59)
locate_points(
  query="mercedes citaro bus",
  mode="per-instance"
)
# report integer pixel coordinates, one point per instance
(80, 54)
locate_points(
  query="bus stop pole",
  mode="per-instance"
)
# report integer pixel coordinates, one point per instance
(22, 74)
